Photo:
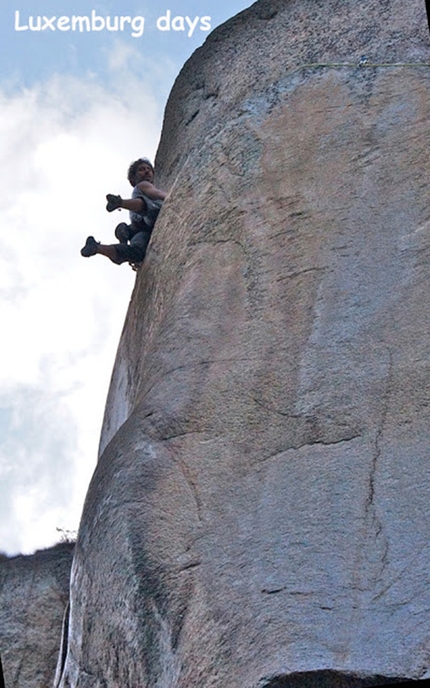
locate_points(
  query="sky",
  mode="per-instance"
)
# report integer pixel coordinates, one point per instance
(79, 100)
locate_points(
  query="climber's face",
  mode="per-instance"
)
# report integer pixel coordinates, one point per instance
(144, 173)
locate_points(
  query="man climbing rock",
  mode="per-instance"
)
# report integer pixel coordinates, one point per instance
(143, 206)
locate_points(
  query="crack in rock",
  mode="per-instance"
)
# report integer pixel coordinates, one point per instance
(370, 507)
(292, 275)
(310, 421)
(374, 546)
(192, 485)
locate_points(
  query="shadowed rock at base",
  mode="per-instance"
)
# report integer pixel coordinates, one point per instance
(34, 593)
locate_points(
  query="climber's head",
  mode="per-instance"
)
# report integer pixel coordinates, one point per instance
(139, 171)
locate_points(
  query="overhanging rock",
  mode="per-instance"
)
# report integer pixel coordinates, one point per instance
(259, 513)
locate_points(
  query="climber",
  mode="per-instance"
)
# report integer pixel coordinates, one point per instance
(144, 205)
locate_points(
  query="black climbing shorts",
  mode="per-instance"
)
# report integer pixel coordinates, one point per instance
(134, 252)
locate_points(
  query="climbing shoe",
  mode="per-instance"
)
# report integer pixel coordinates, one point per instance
(90, 248)
(113, 202)
(123, 232)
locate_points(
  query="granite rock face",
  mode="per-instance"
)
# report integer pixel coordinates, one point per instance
(34, 592)
(259, 514)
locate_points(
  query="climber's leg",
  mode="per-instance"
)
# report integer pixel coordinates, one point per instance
(92, 247)
(135, 251)
(111, 251)
(123, 232)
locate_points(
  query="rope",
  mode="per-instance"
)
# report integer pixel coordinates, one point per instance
(364, 63)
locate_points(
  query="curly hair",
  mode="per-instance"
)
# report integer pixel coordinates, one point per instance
(133, 169)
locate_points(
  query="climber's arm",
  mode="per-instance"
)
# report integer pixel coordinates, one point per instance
(135, 205)
(151, 191)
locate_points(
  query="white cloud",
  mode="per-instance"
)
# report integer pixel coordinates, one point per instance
(66, 144)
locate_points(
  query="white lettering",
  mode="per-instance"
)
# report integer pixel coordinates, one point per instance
(138, 26)
(80, 21)
(111, 27)
(63, 24)
(94, 22)
(192, 25)
(17, 26)
(97, 23)
(178, 24)
(205, 24)
(48, 23)
(35, 26)
(163, 23)
(122, 21)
